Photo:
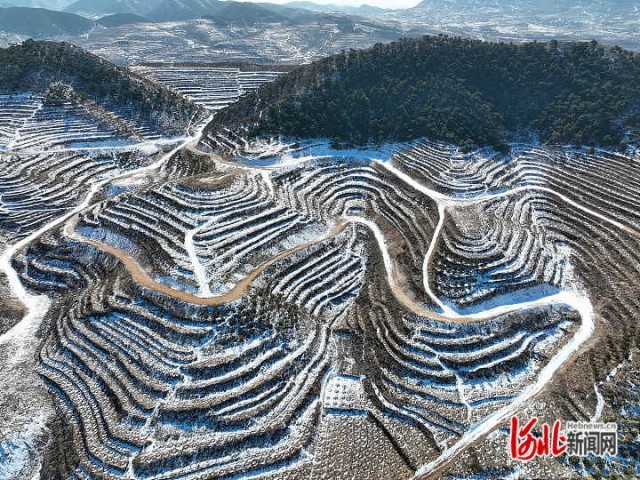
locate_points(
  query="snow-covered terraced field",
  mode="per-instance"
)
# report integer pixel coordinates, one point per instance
(309, 313)
(15, 110)
(57, 158)
(209, 86)
(36, 188)
(31, 123)
(558, 170)
(54, 127)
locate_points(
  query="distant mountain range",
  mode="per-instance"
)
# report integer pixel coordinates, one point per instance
(92, 8)
(306, 26)
(120, 19)
(175, 10)
(247, 14)
(40, 23)
(316, 7)
(529, 9)
(482, 10)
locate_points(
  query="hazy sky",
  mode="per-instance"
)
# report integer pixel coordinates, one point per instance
(355, 3)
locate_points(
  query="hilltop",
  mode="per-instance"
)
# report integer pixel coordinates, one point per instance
(246, 14)
(120, 19)
(174, 10)
(461, 91)
(34, 66)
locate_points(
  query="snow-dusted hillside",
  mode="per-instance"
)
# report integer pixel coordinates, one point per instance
(200, 305)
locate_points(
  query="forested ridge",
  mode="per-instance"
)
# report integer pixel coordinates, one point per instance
(34, 66)
(462, 91)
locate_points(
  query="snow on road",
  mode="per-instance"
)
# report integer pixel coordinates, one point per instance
(574, 299)
(427, 262)
(583, 306)
(198, 268)
(599, 404)
(444, 200)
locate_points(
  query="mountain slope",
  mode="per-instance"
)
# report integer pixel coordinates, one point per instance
(462, 91)
(119, 19)
(37, 66)
(525, 8)
(246, 14)
(175, 10)
(41, 23)
(108, 7)
(317, 7)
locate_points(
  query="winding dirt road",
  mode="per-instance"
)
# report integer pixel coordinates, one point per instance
(141, 277)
